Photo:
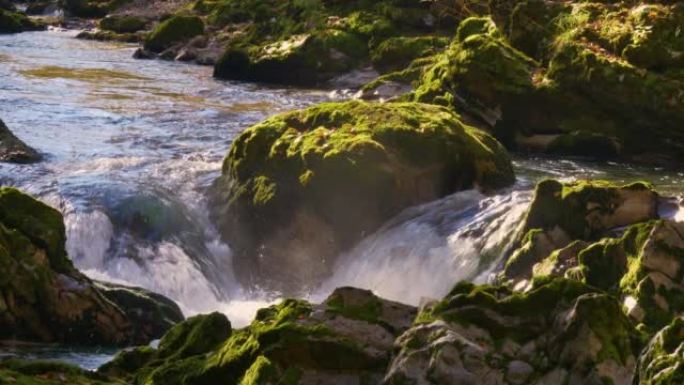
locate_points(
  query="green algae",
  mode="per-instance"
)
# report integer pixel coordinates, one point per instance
(94, 75)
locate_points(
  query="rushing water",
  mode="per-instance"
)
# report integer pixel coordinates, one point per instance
(132, 145)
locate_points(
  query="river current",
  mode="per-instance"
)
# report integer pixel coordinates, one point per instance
(132, 145)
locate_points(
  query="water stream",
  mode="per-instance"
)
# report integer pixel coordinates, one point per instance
(132, 145)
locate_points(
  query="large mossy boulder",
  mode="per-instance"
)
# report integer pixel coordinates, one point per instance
(560, 332)
(44, 298)
(301, 187)
(174, 30)
(13, 150)
(348, 337)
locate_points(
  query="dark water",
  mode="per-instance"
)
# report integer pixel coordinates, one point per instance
(132, 145)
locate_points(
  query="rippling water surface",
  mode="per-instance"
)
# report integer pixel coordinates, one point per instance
(131, 146)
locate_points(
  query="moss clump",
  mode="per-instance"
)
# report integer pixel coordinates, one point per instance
(49, 373)
(303, 59)
(122, 24)
(281, 344)
(310, 183)
(598, 74)
(397, 53)
(176, 29)
(13, 22)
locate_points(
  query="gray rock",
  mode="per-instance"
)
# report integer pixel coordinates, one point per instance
(13, 150)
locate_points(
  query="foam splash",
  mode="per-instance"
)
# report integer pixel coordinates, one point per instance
(424, 251)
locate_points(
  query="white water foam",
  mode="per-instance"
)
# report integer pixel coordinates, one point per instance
(163, 268)
(427, 249)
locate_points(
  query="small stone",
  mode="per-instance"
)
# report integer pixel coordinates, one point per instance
(518, 372)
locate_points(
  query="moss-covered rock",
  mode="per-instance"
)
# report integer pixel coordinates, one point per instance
(305, 59)
(122, 23)
(49, 373)
(13, 22)
(567, 60)
(13, 150)
(397, 53)
(349, 336)
(176, 29)
(310, 42)
(583, 210)
(300, 187)
(90, 8)
(559, 332)
(44, 298)
(662, 363)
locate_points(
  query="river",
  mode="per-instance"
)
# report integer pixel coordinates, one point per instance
(132, 145)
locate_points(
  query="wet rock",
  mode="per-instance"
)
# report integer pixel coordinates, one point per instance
(142, 53)
(300, 187)
(13, 150)
(44, 298)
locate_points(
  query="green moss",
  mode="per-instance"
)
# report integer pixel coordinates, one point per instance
(174, 30)
(122, 24)
(13, 22)
(398, 52)
(197, 335)
(303, 59)
(49, 373)
(42, 224)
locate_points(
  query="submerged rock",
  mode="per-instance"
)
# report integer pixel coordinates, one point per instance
(44, 298)
(300, 187)
(13, 150)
